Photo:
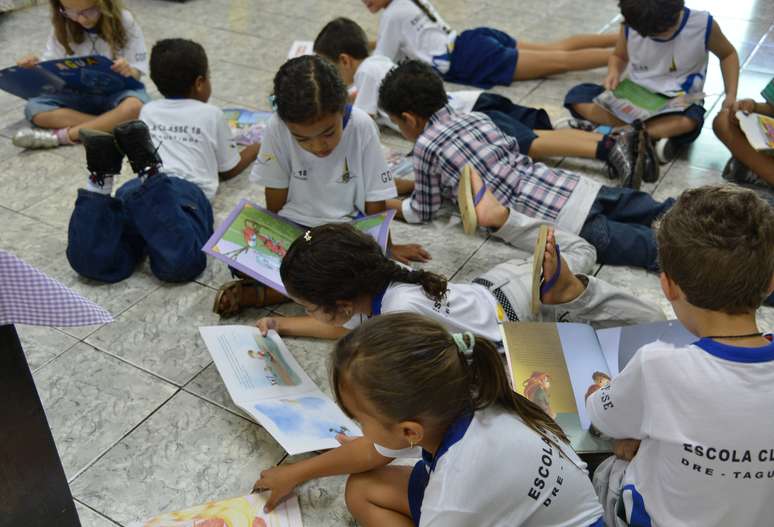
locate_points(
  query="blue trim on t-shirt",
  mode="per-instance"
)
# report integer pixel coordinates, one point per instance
(737, 353)
(453, 434)
(376, 302)
(347, 115)
(679, 29)
(708, 32)
(626, 32)
(639, 515)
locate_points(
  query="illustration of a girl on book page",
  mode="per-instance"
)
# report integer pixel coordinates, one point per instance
(278, 372)
(537, 389)
(601, 379)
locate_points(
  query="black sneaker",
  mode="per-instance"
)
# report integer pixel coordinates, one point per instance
(736, 172)
(622, 160)
(652, 169)
(103, 158)
(134, 140)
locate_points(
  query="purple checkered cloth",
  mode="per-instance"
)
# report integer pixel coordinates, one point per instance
(28, 296)
(453, 139)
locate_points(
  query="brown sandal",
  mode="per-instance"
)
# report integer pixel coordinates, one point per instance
(232, 292)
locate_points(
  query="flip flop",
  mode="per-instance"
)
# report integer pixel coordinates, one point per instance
(540, 286)
(467, 202)
(233, 292)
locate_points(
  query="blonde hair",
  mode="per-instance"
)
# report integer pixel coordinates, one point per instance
(110, 26)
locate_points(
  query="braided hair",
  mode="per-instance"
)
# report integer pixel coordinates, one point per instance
(430, 12)
(307, 88)
(338, 262)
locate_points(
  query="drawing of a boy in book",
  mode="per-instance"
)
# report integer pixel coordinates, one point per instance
(537, 389)
(601, 379)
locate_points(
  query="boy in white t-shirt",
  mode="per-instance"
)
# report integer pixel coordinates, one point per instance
(164, 212)
(343, 42)
(702, 413)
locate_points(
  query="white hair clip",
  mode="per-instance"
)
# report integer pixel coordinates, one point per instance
(308, 236)
(463, 346)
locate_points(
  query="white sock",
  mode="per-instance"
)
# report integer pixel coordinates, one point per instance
(106, 188)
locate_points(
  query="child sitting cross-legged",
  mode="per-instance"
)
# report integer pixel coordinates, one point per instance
(166, 210)
(702, 413)
(489, 457)
(616, 221)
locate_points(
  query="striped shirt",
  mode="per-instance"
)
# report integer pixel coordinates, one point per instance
(451, 140)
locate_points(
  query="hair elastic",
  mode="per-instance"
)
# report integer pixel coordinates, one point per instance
(465, 348)
(273, 102)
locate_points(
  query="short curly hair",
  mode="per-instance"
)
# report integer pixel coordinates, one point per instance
(414, 87)
(651, 17)
(307, 88)
(175, 64)
(341, 35)
(717, 244)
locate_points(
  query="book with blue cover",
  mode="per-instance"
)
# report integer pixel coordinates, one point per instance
(89, 75)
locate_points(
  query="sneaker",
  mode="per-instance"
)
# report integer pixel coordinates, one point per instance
(652, 169)
(622, 162)
(134, 139)
(666, 150)
(736, 172)
(103, 158)
(35, 138)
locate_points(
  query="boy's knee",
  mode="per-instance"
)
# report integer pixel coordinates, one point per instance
(721, 125)
(686, 125)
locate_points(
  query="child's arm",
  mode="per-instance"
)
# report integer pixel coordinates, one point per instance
(276, 198)
(246, 157)
(300, 326)
(617, 62)
(729, 63)
(397, 206)
(749, 106)
(351, 457)
(404, 253)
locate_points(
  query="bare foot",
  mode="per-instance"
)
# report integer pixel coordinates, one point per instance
(568, 287)
(489, 211)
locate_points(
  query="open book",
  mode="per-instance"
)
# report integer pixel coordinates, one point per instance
(89, 75)
(264, 379)
(247, 126)
(558, 365)
(246, 511)
(768, 92)
(254, 240)
(401, 165)
(299, 48)
(630, 101)
(759, 130)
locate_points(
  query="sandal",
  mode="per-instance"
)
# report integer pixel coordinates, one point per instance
(232, 292)
(467, 202)
(540, 285)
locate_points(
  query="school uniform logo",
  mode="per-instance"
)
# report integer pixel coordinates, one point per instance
(673, 67)
(265, 158)
(346, 175)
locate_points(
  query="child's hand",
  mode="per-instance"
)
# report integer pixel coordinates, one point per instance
(280, 481)
(410, 252)
(266, 324)
(122, 67)
(729, 103)
(612, 80)
(626, 449)
(747, 106)
(30, 61)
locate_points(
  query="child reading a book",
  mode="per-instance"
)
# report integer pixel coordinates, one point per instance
(748, 165)
(705, 455)
(419, 391)
(165, 211)
(320, 161)
(616, 221)
(315, 263)
(665, 46)
(344, 42)
(86, 27)
(484, 57)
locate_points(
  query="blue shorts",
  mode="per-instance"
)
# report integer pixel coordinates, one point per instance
(90, 104)
(514, 120)
(483, 57)
(585, 93)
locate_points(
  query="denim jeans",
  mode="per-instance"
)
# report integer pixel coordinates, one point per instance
(167, 217)
(619, 227)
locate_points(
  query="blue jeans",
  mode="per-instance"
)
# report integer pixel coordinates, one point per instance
(89, 104)
(167, 217)
(619, 227)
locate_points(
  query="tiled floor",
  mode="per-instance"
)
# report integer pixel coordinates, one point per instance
(140, 416)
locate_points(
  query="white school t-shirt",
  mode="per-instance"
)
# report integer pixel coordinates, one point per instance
(134, 52)
(501, 473)
(466, 307)
(406, 32)
(327, 189)
(704, 415)
(675, 65)
(194, 139)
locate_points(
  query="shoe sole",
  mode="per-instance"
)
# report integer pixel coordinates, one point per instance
(465, 202)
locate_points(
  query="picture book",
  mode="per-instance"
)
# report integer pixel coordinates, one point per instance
(768, 92)
(401, 165)
(630, 101)
(299, 48)
(558, 365)
(759, 130)
(247, 126)
(246, 511)
(254, 240)
(89, 75)
(263, 378)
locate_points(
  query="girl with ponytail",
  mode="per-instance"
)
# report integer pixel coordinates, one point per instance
(488, 455)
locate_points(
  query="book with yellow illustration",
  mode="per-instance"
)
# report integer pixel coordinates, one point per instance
(759, 130)
(245, 511)
(558, 365)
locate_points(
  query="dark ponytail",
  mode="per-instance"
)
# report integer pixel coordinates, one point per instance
(338, 262)
(411, 369)
(431, 13)
(307, 88)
